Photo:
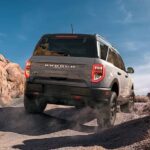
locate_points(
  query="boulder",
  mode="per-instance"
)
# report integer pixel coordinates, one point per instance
(2, 59)
(11, 81)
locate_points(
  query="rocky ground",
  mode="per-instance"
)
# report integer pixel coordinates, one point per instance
(11, 81)
(64, 128)
(61, 127)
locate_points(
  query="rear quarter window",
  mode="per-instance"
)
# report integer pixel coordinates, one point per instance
(103, 51)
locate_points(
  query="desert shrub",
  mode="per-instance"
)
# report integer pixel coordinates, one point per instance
(141, 99)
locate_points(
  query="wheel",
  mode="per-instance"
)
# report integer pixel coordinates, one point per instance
(107, 114)
(34, 104)
(129, 106)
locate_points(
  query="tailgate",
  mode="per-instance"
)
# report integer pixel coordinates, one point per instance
(62, 70)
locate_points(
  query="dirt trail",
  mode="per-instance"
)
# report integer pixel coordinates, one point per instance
(67, 128)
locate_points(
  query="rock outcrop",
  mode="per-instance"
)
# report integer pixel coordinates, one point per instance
(142, 105)
(11, 81)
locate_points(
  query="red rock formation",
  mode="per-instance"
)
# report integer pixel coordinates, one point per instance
(11, 81)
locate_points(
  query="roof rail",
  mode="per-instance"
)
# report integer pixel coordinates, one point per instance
(106, 42)
(101, 37)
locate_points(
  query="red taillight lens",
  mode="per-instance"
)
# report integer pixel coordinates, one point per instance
(27, 69)
(98, 73)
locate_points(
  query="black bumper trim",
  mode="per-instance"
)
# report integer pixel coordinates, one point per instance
(64, 94)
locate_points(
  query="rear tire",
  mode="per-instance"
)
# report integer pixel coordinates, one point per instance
(129, 107)
(34, 104)
(106, 115)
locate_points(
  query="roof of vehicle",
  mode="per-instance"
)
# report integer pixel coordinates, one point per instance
(101, 38)
(68, 34)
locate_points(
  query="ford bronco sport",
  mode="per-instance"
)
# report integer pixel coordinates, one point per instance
(78, 70)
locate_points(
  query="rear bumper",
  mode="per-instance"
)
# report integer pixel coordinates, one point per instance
(69, 95)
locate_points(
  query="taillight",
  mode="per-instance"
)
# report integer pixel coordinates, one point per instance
(98, 73)
(27, 69)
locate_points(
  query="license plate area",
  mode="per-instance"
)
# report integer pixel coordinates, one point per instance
(57, 91)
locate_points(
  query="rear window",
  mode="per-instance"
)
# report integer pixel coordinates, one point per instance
(74, 46)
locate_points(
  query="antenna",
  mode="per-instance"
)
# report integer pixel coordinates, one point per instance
(72, 28)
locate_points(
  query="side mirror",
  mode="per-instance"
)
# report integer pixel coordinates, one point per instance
(130, 70)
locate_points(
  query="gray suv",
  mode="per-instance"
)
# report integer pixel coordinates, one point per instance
(78, 70)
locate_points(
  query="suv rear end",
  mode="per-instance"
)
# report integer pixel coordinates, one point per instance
(65, 69)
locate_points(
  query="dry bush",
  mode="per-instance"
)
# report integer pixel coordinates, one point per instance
(146, 109)
(142, 99)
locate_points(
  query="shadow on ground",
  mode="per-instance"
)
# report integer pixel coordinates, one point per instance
(14, 119)
(122, 135)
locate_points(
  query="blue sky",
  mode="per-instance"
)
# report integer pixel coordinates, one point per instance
(124, 23)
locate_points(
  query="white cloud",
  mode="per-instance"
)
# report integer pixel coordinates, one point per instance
(127, 15)
(133, 11)
(142, 79)
(2, 35)
(135, 45)
(91, 12)
(147, 57)
(130, 45)
(22, 37)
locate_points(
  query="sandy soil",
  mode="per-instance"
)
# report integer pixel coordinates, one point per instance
(62, 127)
